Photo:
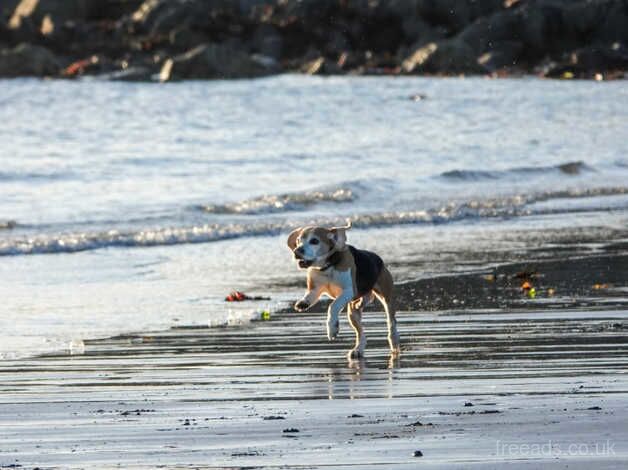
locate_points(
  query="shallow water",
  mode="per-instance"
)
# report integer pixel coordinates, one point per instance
(225, 397)
(128, 207)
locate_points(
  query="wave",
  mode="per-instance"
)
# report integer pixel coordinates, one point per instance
(35, 176)
(7, 224)
(282, 202)
(506, 207)
(569, 168)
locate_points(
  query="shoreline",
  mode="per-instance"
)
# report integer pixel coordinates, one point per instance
(474, 387)
(579, 280)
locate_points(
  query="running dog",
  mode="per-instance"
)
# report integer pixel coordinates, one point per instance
(350, 276)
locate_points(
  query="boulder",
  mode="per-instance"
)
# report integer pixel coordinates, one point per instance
(28, 60)
(418, 32)
(217, 61)
(542, 30)
(456, 14)
(267, 41)
(159, 17)
(485, 31)
(502, 55)
(130, 74)
(591, 61)
(59, 10)
(549, 27)
(614, 24)
(184, 39)
(7, 7)
(5, 36)
(32, 18)
(321, 66)
(583, 17)
(445, 57)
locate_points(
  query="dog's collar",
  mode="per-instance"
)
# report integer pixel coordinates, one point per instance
(333, 260)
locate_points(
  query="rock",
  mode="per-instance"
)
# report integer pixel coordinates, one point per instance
(59, 10)
(614, 26)
(419, 32)
(313, 67)
(112, 9)
(541, 30)
(590, 62)
(216, 61)
(159, 17)
(582, 17)
(130, 74)
(337, 43)
(418, 58)
(456, 14)
(184, 38)
(28, 60)
(267, 41)
(504, 54)
(321, 66)
(4, 34)
(486, 31)
(449, 56)
(162, 16)
(7, 7)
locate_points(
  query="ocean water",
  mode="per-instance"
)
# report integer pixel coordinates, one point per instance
(135, 207)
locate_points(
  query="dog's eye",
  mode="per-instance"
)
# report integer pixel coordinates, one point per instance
(314, 241)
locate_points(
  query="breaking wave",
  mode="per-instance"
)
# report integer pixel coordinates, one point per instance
(7, 224)
(507, 207)
(282, 202)
(34, 176)
(569, 168)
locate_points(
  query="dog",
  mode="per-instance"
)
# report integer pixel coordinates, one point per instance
(352, 277)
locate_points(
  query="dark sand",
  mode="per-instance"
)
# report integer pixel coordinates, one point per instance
(489, 378)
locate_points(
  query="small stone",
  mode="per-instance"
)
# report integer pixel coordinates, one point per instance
(418, 453)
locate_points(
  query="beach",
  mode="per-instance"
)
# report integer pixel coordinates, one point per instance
(130, 211)
(537, 383)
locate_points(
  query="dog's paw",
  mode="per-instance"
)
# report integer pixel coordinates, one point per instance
(301, 306)
(395, 352)
(332, 329)
(355, 354)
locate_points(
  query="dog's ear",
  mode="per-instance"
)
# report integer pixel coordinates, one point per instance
(339, 235)
(292, 238)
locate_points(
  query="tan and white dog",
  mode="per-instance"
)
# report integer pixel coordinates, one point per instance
(350, 276)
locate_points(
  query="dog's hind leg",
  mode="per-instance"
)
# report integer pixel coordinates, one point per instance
(354, 311)
(384, 291)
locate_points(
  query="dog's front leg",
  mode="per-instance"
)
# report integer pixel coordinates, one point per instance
(309, 299)
(333, 322)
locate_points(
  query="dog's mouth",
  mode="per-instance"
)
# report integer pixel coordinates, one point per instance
(304, 263)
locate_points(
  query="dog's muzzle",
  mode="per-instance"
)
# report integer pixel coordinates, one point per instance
(298, 255)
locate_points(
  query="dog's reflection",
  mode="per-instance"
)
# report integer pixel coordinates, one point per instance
(363, 379)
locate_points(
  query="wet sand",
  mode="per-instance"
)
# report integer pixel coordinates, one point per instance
(501, 381)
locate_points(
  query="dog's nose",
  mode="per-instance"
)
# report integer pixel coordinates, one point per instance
(299, 252)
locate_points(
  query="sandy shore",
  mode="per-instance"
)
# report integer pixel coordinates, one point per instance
(512, 382)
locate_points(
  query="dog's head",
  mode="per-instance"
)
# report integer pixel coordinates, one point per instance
(311, 246)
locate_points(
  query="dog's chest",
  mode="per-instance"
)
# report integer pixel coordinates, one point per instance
(334, 281)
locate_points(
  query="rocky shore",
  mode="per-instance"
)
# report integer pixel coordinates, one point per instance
(202, 39)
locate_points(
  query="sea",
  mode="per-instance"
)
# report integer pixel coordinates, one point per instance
(138, 207)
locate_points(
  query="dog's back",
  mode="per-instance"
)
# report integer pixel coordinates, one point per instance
(368, 268)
